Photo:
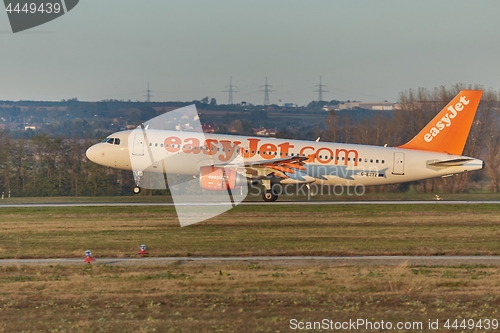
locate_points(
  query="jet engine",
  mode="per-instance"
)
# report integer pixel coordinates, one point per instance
(220, 179)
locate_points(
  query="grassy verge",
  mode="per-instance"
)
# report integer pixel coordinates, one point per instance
(253, 230)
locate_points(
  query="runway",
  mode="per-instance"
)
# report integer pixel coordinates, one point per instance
(282, 260)
(253, 203)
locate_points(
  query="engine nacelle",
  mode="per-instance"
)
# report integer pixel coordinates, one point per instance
(220, 179)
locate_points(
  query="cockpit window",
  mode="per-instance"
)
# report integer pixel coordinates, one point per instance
(111, 141)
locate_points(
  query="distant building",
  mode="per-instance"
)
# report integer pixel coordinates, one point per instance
(207, 128)
(261, 131)
(380, 106)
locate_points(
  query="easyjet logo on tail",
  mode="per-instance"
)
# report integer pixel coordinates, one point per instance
(446, 120)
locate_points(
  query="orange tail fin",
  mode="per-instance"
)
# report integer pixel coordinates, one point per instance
(448, 131)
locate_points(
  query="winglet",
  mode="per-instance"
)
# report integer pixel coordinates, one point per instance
(448, 131)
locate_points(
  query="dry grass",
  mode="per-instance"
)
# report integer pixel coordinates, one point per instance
(244, 297)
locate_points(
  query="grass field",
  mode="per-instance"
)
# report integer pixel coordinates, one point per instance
(238, 297)
(253, 230)
(251, 296)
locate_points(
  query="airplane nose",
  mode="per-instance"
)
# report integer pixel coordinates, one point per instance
(91, 153)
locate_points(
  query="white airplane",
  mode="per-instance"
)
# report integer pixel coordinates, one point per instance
(226, 162)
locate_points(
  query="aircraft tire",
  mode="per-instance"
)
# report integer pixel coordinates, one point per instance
(137, 190)
(269, 196)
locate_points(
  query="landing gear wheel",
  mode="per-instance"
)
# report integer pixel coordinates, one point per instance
(269, 196)
(137, 190)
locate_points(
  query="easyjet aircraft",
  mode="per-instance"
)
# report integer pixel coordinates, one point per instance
(434, 152)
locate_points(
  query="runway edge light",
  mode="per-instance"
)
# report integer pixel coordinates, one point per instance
(88, 257)
(143, 250)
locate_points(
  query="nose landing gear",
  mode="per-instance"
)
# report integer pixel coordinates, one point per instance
(138, 177)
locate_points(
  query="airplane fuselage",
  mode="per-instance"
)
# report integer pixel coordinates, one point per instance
(328, 163)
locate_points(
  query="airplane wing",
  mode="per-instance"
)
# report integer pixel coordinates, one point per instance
(279, 167)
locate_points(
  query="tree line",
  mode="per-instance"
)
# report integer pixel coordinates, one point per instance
(54, 166)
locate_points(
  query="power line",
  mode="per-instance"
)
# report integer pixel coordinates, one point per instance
(266, 92)
(230, 91)
(320, 90)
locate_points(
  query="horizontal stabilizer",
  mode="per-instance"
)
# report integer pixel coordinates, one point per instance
(453, 162)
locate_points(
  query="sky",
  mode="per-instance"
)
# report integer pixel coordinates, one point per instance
(365, 50)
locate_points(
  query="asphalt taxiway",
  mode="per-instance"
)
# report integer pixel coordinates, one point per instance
(282, 260)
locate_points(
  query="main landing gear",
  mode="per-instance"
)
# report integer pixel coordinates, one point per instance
(270, 195)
